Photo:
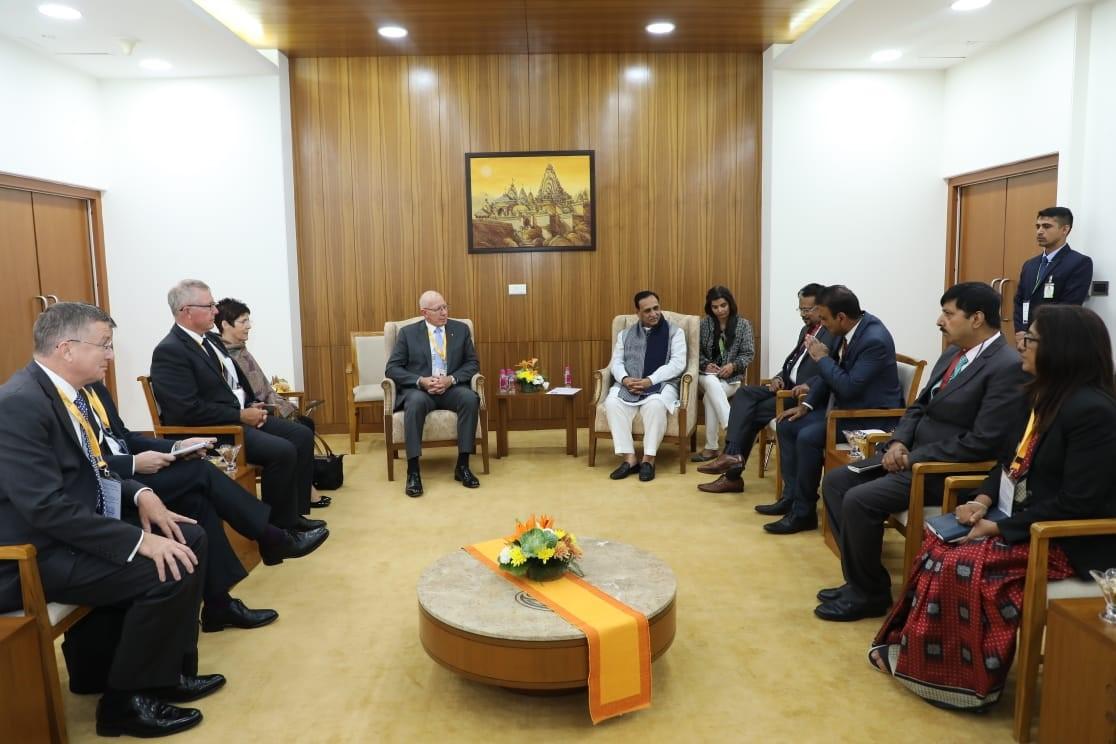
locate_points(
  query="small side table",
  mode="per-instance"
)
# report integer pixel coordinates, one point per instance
(502, 419)
(247, 551)
(1079, 674)
(23, 706)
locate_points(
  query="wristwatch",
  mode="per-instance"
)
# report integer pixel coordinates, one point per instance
(453, 380)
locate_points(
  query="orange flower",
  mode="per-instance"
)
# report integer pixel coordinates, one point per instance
(521, 528)
(546, 522)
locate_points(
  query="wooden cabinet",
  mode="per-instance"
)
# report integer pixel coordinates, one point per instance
(23, 694)
(1079, 675)
(49, 240)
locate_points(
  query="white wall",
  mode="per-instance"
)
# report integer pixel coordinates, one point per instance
(49, 119)
(856, 198)
(196, 190)
(195, 184)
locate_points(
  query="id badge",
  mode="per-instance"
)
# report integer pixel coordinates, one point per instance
(1026, 312)
(1048, 291)
(110, 487)
(1007, 493)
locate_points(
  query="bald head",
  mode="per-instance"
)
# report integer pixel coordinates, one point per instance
(434, 308)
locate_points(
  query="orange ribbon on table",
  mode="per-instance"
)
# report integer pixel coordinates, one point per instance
(618, 636)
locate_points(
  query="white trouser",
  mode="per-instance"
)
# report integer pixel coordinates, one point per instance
(654, 412)
(717, 393)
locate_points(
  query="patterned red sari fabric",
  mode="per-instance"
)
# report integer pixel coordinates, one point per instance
(952, 638)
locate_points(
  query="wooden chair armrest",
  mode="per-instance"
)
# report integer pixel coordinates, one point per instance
(17, 552)
(920, 470)
(477, 383)
(847, 413)
(955, 483)
(684, 391)
(873, 439)
(230, 430)
(388, 386)
(1072, 528)
(602, 381)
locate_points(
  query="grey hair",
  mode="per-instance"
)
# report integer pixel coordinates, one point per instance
(63, 321)
(180, 294)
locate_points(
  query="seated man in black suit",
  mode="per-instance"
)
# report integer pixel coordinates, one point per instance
(966, 413)
(753, 406)
(432, 364)
(859, 372)
(190, 486)
(197, 383)
(57, 493)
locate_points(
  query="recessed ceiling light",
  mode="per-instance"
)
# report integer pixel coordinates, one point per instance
(887, 55)
(392, 32)
(156, 65)
(60, 12)
(969, 4)
(660, 27)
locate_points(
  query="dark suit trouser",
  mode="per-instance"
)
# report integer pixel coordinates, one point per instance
(196, 489)
(801, 455)
(416, 404)
(750, 410)
(285, 451)
(857, 506)
(158, 638)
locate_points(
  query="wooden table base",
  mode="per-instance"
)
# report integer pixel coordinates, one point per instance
(502, 421)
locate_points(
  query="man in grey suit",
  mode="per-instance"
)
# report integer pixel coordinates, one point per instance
(964, 414)
(432, 364)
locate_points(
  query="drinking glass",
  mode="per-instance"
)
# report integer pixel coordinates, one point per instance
(228, 453)
(1107, 582)
(856, 440)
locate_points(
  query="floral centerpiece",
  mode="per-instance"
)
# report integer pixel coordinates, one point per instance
(279, 385)
(529, 378)
(540, 551)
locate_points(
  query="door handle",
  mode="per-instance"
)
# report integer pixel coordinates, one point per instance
(996, 283)
(54, 297)
(43, 300)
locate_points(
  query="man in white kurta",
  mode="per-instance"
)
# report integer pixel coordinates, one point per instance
(648, 360)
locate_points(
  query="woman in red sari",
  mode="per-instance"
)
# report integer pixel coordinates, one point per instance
(951, 636)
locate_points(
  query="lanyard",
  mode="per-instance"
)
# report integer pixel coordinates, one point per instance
(91, 438)
(99, 408)
(1021, 463)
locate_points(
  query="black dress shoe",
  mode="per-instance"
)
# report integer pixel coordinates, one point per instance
(236, 615)
(623, 471)
(191, 688)
(414, 485)
(305, 524)
(843, 610)
(321, 503)
(779, 508)
(790, 524)
(294, 545)
(465, 476)
(828, 595)
(647, 471)
(142, 715)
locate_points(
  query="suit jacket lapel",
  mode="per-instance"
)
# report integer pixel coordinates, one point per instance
(195, 348)
(56, 405)
(972, 370)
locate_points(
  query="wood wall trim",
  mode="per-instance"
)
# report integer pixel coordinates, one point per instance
(380, 199)
(956, 183)
(12, 181)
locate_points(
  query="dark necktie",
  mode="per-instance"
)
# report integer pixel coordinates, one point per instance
(82, 404)
(1042, 270)
(212, 354)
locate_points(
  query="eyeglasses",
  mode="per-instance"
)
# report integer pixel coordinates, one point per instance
(1028, 339)
(105, 347)
(439, 309)
(211, 306)
(805, 310)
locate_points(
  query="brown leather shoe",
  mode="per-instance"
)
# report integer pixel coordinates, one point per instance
(721, 465)
(723, 485)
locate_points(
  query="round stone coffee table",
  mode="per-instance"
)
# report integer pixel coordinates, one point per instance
(481, 626)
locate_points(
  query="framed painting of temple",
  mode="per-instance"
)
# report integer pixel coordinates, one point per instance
(530, 201)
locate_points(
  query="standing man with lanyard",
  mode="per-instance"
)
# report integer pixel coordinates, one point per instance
(1059, 276)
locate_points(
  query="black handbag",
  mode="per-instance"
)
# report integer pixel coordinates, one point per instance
(328, 471)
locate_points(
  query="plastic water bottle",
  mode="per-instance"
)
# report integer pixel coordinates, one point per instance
(567, 377)
(503, 381)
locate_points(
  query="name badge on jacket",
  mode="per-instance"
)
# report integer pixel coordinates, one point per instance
(110, 487)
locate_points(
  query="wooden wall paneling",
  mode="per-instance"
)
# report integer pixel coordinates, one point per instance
(19, 281)
(459, 285)
(310, 211)
(368, 194)
(399, 248)
(64, 247)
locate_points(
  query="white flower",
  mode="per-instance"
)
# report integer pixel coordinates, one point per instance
(505, 555)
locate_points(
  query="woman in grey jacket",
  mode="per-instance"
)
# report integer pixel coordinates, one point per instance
(726, 350)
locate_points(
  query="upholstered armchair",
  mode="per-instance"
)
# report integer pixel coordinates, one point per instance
(681, 423)
(440, 428)
(364, 375)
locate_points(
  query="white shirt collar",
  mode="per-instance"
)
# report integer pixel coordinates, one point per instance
(1050, 256)
(196, 336)
(61, 384)
(977, 350)
(431, 328)
(849, 335)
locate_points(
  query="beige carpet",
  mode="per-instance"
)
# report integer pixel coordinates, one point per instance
(749, 662)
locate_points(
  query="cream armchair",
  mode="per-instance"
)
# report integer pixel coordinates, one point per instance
(440, 428)
(680, 424)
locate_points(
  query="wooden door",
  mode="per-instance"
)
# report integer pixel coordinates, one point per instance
(1026, 195)
(19, 280)
(981, 257)
(64, 248)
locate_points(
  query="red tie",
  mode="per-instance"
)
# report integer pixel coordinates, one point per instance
(949, 370)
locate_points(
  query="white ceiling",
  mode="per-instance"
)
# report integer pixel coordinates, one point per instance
(930, 34)
(176, 31)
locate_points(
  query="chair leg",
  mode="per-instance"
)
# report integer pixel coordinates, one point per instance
(389, 448)
(484, 442)
(354, 433)
(592, 447)
(685, 443)
(56, 711)
(762, 459)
